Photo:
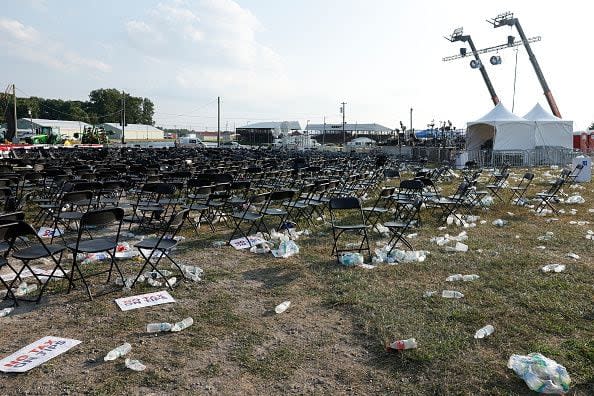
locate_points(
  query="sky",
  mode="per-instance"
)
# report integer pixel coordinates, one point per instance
(297, 60)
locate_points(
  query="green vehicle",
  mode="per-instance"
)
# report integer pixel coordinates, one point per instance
(47, 135)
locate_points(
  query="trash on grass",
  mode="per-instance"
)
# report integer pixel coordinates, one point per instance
(460, 277)
(282, 307)
(158, 327)
(553, 268)
(484, 332)
(118, 352)
(400, 345)
(575, 199)
(451, 294)
(459, 247)
(286, 249)
(6, 311)
(184, 324)
(540, 373)
(499, 222)
(134, 365)
(573, 256)
(349, 259)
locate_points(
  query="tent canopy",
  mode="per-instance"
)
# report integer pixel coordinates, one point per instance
(500, 129)
(550, 130)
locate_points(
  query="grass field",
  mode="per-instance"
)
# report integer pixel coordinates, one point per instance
(332, 339)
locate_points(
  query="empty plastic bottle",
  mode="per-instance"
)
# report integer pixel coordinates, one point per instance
(24, 289)
(484, 332)
(429, 293)
(184, 324)
(282, 307)
(172, 281)
(118, 352)
(400, 345)
(553, 268)
(469, 278)
(153, 282)
(451, 294)
(454, 278)
(158, 327)
(134, 365)
(6, 311)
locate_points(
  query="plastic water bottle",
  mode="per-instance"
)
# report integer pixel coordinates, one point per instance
(172, 281)
(184, 324)
(553, 268)
(282, 307)
(451, 294)
(118, 352)
(454, 278)
(24, 289)
(469, 278)
(6, 311)
(158, 327)
(153, 282)
(401, 345)
(134, 365)
(484, 332)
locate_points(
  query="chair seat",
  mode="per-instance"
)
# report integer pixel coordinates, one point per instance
(395, 224)
(350, 227)
(275, 212)
(374, 209)
(37, 251)
(150, 208)
(70, 215)
(250, 216)
(94, 245)
(196, 207)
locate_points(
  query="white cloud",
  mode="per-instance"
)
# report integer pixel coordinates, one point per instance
(208, 45)
(27, 43)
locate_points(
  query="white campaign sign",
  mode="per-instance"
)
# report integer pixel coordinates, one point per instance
(242, 243)
(36, 353)
(144, 300)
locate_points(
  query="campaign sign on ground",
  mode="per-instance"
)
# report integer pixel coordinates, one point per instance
(243, 243)
(36, 353)
(144, 300)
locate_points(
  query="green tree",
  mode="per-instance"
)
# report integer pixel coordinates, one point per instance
(148, 110)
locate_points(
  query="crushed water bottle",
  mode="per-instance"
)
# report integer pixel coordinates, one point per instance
(184, 324)
(553, 268)
(158, 327)
(451, 294)
(172, 281)
(460, 277)
(540, 373)
(282, 307)
(134, 365)
(6, 311)
(118, 352)
(24, 289)
(400, 345)
(484, 332)
(350, 259)
(153, 282)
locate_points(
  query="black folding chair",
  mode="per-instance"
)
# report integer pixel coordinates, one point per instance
(549, 197)
(12, 231)
(96, 223)
(519, 190)
(352, 220)
(250, 214)
(403, 221)
(380, 207)
(161, 247)
(573, 175)
(274, 208)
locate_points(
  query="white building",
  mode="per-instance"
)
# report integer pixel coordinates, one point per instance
(133, 132)
(27, 127)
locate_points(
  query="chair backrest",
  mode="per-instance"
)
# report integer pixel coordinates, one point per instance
(101, 217)
(78, 197)
(281, 195)
(14, 216)
(340, 203)
(175, 223)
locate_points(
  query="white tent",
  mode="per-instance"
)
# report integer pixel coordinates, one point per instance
(550, 131)
(500, 129)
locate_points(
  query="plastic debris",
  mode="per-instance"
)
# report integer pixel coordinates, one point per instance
(484, 332)
(184, 324)
(553, 268)
(451, 294)
(400, 345)
(24, 289)
(282, 307)
(499, 222)
(546, 237)
(459, 247)
(286, 249)
(191, 272)
(6, 311)
(541, 247)
(460, 277)
(429, 293)
(349, 259)
(219, 244)
(118, 352)
(540, 373)
(367, 266)
(134, 365)
(575, 199)
(158, 327)
(381, 229)
(573, 256)
(260, 248)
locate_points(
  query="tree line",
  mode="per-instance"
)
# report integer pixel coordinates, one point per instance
(104, 105)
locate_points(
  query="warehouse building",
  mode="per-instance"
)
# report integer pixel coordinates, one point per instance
(26, 127)
(133, 132)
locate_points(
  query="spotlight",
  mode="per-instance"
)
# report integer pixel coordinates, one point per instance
(475, 64)
(463, 51)
(510, 40)
(495, 60)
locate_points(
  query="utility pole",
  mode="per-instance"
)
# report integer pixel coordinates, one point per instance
(410, 129)
(218, 121)
(342, 110)
(123, 118)
(15, 111)
(324, 132)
